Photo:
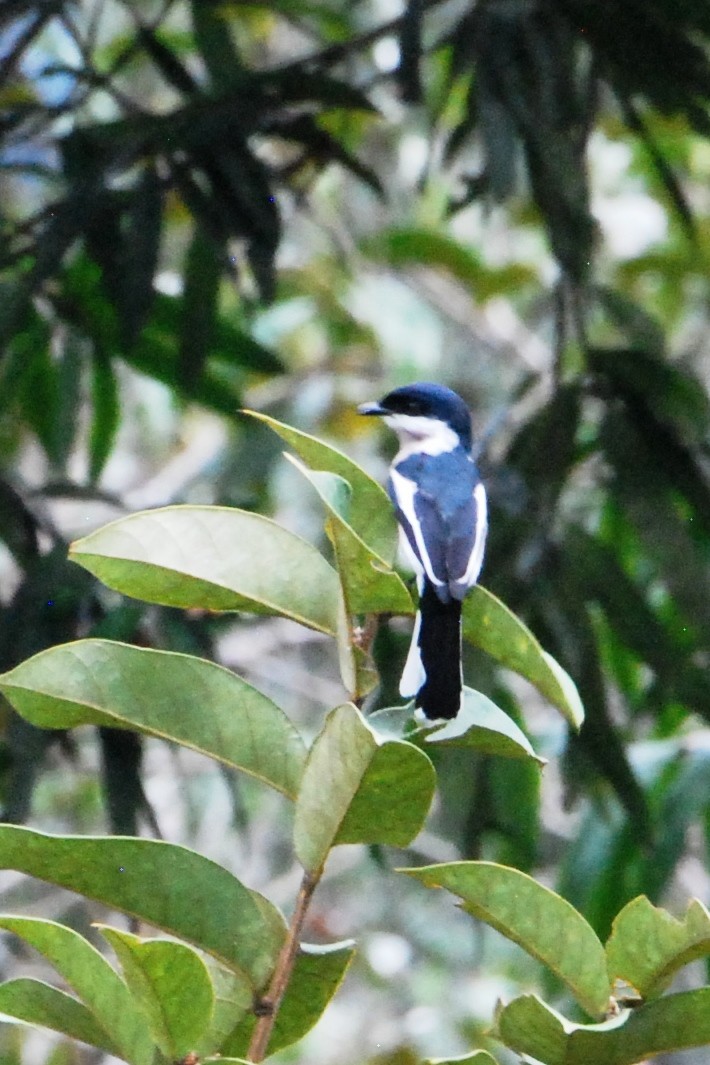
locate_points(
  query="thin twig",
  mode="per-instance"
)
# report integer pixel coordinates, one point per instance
(335, 53)
(268, 1006)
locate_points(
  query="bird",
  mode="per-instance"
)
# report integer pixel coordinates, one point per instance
(441, 507)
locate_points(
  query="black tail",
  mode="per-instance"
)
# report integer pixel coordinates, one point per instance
(440, 649)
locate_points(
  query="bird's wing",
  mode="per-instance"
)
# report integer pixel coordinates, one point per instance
(423, 528)
(466, 543)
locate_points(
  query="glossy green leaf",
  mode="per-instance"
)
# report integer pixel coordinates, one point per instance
(648, 945)
(93, 980)
(316, 977)
(359, 788)
(370, 512)
(168, 886)
(490, 625)
(99, 682)
(214, 558)
(171, 983)
(541, 922)
(370, 586)
(676, 1022)
(36, 1003)
(482, 725)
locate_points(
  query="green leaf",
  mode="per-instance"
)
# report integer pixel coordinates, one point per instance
(370, 512)
(316, 977)
(676, 1022)
(168, 886)
(171, 984)
(532, 1027)
(644, 378)
(648, 498)
(490, 625)
(359, 788)
(34, 1002)
(214, 42)
(541, 922)
(233, 999)
(105, 413)
(139, 256)
(214, 558)
(648, 945)
(203, 271)
(99, 682)
(370, 586)
(41, 400)
(482, 725)
(90, 976)
(408, 245)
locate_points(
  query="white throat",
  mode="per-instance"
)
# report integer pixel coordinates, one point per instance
(417, 433)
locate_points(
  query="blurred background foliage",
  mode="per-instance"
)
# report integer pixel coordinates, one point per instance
(293, 206)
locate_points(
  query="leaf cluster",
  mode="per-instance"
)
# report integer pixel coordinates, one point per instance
(236, 982)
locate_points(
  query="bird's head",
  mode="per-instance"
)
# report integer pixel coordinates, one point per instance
(431, 416)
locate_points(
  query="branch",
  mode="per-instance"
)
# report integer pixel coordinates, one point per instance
(335, 53)
(268, 1006)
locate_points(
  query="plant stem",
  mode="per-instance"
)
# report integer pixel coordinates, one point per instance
(268, 1006)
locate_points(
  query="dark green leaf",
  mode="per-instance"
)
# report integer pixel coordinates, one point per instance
(165, 885)
(202, 274)
(647, 381)
(370, 511)
(490, 625)
(105, 411)
(214, 41)
(676, 1022)
(543, 923)
(359, 788)
(171, 984)
(369, 585)
(90, 976)
(647, 945)
(317, 974)
(214, 558)
(98, 682)
(141, 234)
(411, 246)
(36, 1003)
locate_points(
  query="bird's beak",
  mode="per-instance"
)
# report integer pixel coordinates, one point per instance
(371, 408)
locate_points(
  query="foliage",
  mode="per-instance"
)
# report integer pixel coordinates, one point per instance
(405, 219)
(235, 981)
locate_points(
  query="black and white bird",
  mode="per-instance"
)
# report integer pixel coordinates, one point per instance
(441, 507)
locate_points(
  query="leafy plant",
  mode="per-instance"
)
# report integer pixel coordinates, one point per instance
(235, 981)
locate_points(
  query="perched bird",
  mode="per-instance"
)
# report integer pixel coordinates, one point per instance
(441, 507)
